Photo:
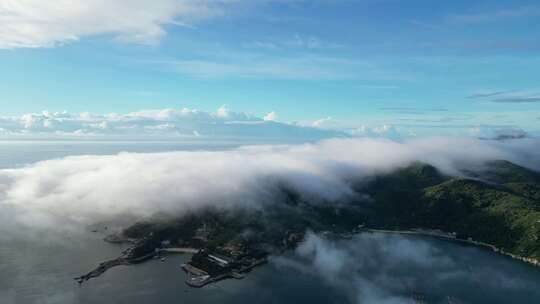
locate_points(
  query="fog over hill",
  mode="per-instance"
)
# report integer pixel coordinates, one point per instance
(57, 202)
(80, 190)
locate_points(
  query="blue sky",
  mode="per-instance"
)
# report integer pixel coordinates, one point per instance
(422, 66)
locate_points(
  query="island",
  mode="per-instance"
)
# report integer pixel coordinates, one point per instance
(495, 205)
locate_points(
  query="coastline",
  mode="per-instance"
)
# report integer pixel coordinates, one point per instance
(198, 278)
(449, 237)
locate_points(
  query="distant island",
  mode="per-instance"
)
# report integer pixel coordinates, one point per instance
(496, 206)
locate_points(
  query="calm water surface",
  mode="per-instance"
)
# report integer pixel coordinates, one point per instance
(35, 273)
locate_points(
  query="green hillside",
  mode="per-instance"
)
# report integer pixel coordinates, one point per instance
(500, 206)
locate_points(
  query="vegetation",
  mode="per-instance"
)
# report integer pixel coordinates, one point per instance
(497, 204)
(500, 206)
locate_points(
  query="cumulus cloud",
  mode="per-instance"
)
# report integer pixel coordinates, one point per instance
(386, 131)
(508, 96)
(35, 23)
(499, 133)
(321, 122)
(272, 116)
(165, 122)
(83, 189)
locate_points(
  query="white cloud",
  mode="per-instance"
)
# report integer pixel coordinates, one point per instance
(286, 67)
(507, 96)
(83, 189)
(166, 122)
(374, 131)
(500, 133)
(36, 23)
(385, 131)
(297, 41)
(321, 122)
(272, 116)
(185, 123)
(495, 15)
(225, 113)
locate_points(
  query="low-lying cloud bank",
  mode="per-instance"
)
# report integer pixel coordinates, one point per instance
(80, 190)
(222, 124)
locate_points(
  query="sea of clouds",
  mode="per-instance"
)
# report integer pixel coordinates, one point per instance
(80, 190)
(52, 203)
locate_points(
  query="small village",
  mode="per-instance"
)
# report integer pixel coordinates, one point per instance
(207, 267)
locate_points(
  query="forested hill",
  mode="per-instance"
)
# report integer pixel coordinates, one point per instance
(498, 204)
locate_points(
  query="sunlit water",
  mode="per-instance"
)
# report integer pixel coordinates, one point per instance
(33, 271)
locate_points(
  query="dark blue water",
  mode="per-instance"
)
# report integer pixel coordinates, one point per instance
(37, 273)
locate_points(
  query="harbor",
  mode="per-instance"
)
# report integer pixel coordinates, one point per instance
(208, 267)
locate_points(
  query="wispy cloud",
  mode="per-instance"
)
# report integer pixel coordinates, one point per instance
(247, 65)
(495, 15)
(412, 109)
(321, 122)
(484, 44)
(488, 94)
(445, 119)
(518, 99)
(292, 68)
(423, 24)
(296, 42)
(230, 62)
(379, 87)
(507, 96)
